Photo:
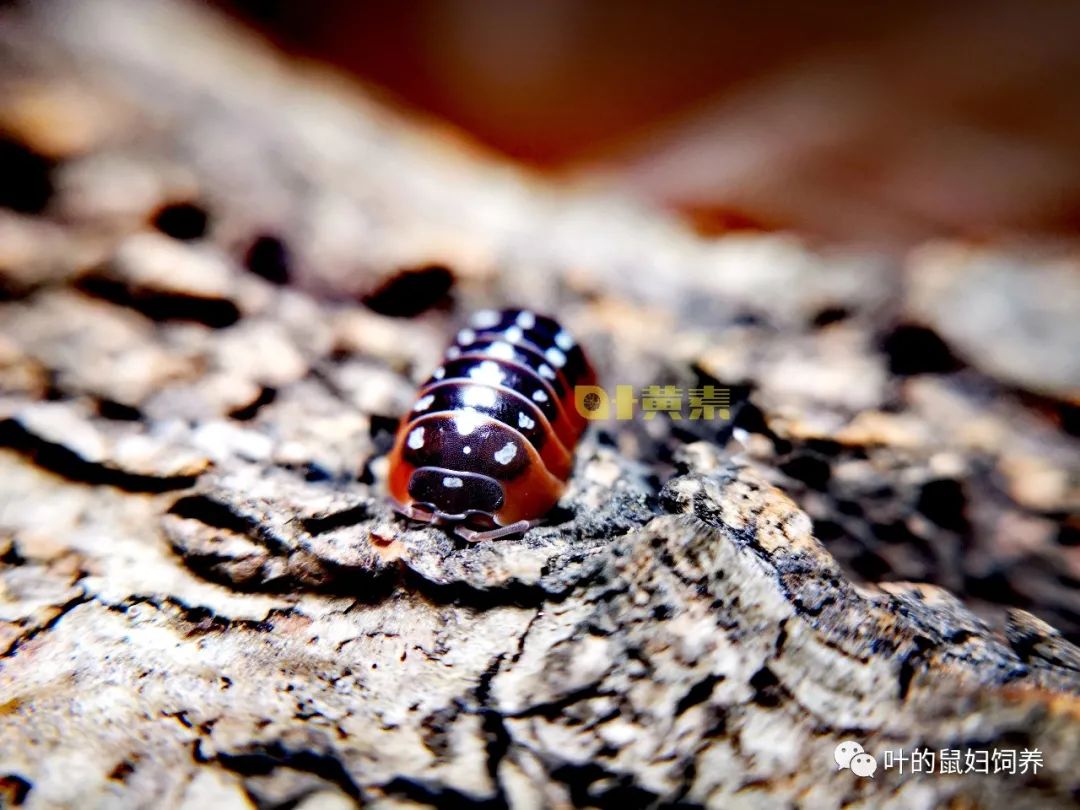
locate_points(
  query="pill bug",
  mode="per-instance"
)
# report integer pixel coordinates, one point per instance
(488, 445)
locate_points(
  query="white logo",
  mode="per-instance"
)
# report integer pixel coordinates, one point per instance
(863, 765)
(849, 754)
(844, 752)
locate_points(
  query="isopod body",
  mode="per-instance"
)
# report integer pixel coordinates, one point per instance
(488, 445)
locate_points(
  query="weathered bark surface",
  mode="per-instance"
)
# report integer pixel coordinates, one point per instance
(206, 602)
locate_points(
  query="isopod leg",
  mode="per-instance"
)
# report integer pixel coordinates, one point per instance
(415, 513)
(472, 536)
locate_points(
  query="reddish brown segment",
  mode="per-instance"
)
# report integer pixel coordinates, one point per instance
(529, 494)
(553, 453)
(489, 441)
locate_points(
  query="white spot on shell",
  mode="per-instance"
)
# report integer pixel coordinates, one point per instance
(506, 455)
(564, 341)
(514, 334)
(466, 336)
(450, 482)
(540, 395)
(555, 357)
(466, 449)
(504, 351)
(525, 422)
(439, 373)
(546, 372)
(424, 403)
(478, 397)
(467, 421)
(485, 319)
(453, 353)
(526, 320)
(487, 372)
(416, 438)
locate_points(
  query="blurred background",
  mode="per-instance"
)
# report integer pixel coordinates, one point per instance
(878, 123)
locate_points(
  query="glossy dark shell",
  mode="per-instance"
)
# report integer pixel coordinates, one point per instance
(489, 440)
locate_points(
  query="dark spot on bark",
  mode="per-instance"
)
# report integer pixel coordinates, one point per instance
(767, 690)
(718, 729)
(411, 292)
(26, 184)
(917, 350)
(264, 760)
(911, 663)
(826, 530)
(336, 520)
(1070, 418)
(810, 469)
(212, 513)
(436, 730)
(122, 771)
(432, 795)
(781, 637)
(748, 319)
(382, 430)
(158, 305)
(851, 508)
(994, 587)
(181, 716)
(118, 411)
(617, 791)
(558, 515)
(698, 693)
(824, 447)
(1069, 534)
(896, 533)
(11, 555)
(830, 315)
(605, 438)
(942, 501)
(869, 565)
(316, 473)
(185, 221)
(247, 412)
(367, 474)
(960, 636)
(11, 291)
(268, 258)
(497, 742)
